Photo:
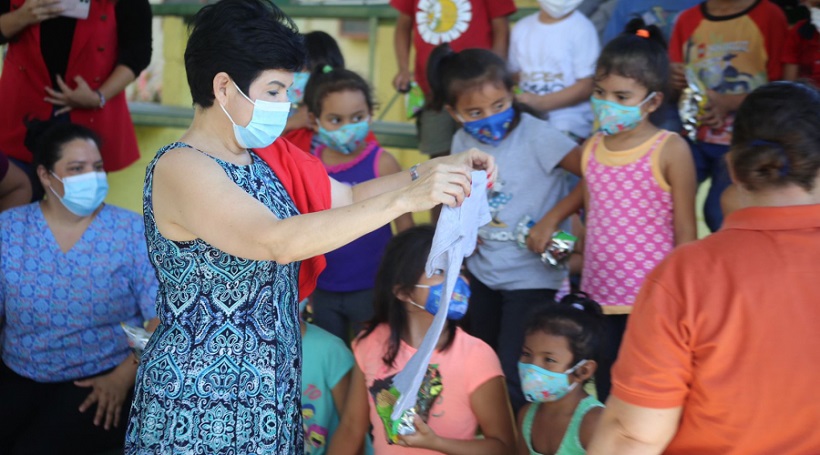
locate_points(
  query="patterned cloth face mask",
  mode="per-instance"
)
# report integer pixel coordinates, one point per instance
(544, 386)
(83, 193)
(458, 303)
(296, 92)
(614, 118)
(490, 130)
(267, 123)
(346, 139)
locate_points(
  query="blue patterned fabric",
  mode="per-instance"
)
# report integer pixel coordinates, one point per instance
(221, 375)
(60, 313)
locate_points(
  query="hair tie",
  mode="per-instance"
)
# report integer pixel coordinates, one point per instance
(642, 32)
(578, 306)
(786, 168)
(326, 69)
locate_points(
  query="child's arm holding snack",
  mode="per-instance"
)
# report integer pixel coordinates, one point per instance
(678, 170)
(355, 420)
(541, 233)
(389, 165)
(491, 407)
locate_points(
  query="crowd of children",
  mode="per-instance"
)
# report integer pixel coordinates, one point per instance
(576, 128)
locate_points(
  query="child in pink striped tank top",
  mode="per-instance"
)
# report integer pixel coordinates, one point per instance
(639, 181)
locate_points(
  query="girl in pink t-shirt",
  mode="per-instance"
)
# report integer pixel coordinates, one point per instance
(472, 396)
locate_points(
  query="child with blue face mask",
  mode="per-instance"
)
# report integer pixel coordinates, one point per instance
(507, 280)
(557, 359)
(463, 393)
(340, 107)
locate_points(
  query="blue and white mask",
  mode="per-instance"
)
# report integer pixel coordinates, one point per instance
(490, 130)
(83, 193)
(458, 302)
(346, 139)
(267, 123)
(542, 386)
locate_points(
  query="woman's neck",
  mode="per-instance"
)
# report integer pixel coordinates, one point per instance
(59, 216)
(211, 133)
(630, 139)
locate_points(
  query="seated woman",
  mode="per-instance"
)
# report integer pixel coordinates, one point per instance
(465, 379)
(71, 269)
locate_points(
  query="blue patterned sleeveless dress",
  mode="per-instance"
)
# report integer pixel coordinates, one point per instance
(222, 373)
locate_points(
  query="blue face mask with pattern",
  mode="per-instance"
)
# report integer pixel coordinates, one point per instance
(543, 386)
(346, 139)
(296, 92)
(490, 130)
(614, 118)
(458, 302)
(267, 123)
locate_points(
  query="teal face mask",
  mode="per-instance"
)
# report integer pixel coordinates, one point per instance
(267, 123)
(296, 92)
(542, 386)
(83, 193)
(346, 139)
(614, 118)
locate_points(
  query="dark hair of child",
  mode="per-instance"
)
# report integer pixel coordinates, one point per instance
(265, 39)
(322, 50)
(401, 267)
(638, 53)
(326, 80)
(45, 140)
(776, 138)
(451, 74)
(575, 317)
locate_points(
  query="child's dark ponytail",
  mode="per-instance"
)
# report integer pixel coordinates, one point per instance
(576, 317)
(437, 66)
(638, 53)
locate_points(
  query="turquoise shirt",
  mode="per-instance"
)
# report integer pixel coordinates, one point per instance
(570, 444)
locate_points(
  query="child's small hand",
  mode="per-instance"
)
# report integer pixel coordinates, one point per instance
(677, 76)
(540, 236)
(423, 438)
(716, 112)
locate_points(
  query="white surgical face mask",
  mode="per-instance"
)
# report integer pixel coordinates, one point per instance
(559, 8)
(267, 123)
(82, 193)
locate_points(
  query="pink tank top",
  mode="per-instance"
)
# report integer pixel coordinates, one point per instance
(629, 219)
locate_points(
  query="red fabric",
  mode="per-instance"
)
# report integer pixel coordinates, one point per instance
(805, 53)
(302, 138)
(448, 20)
(305, 179)
(93, 56)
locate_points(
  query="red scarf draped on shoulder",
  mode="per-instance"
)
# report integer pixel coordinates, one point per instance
(306, 180)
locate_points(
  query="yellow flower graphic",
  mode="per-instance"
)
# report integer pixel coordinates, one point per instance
(443, 21)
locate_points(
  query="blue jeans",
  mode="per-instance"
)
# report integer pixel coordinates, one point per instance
(710, 161)
(342, 312)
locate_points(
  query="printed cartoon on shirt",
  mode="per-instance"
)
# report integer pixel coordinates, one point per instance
(443, 21)
(315, 435)
(497, 199)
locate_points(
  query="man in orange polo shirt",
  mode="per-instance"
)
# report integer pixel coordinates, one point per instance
(721, 353)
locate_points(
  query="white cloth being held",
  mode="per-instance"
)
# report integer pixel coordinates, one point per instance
(455, 239)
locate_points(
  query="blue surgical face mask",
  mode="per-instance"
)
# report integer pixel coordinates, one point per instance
(614, 118)
(490, 130)
(83, 193)
(543, 386)
(458, 302)
(296, 92)
(346, 139)
(267, 123)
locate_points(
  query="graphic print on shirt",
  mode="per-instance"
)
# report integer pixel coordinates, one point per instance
(497, 200)
(543, 82)
(315, 435)
(443, 21)
(385, 396)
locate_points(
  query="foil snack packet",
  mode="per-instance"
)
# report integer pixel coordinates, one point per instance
(692, 103)
(558, 250)
(414, 100)
(137, 338)
(385, 396)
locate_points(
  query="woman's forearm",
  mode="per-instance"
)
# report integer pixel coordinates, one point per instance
(370, 188)
(117, 81)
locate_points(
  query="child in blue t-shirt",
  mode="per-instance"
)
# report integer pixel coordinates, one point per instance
(325, 375)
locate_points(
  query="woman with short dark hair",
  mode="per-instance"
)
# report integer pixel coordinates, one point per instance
(230, 236)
